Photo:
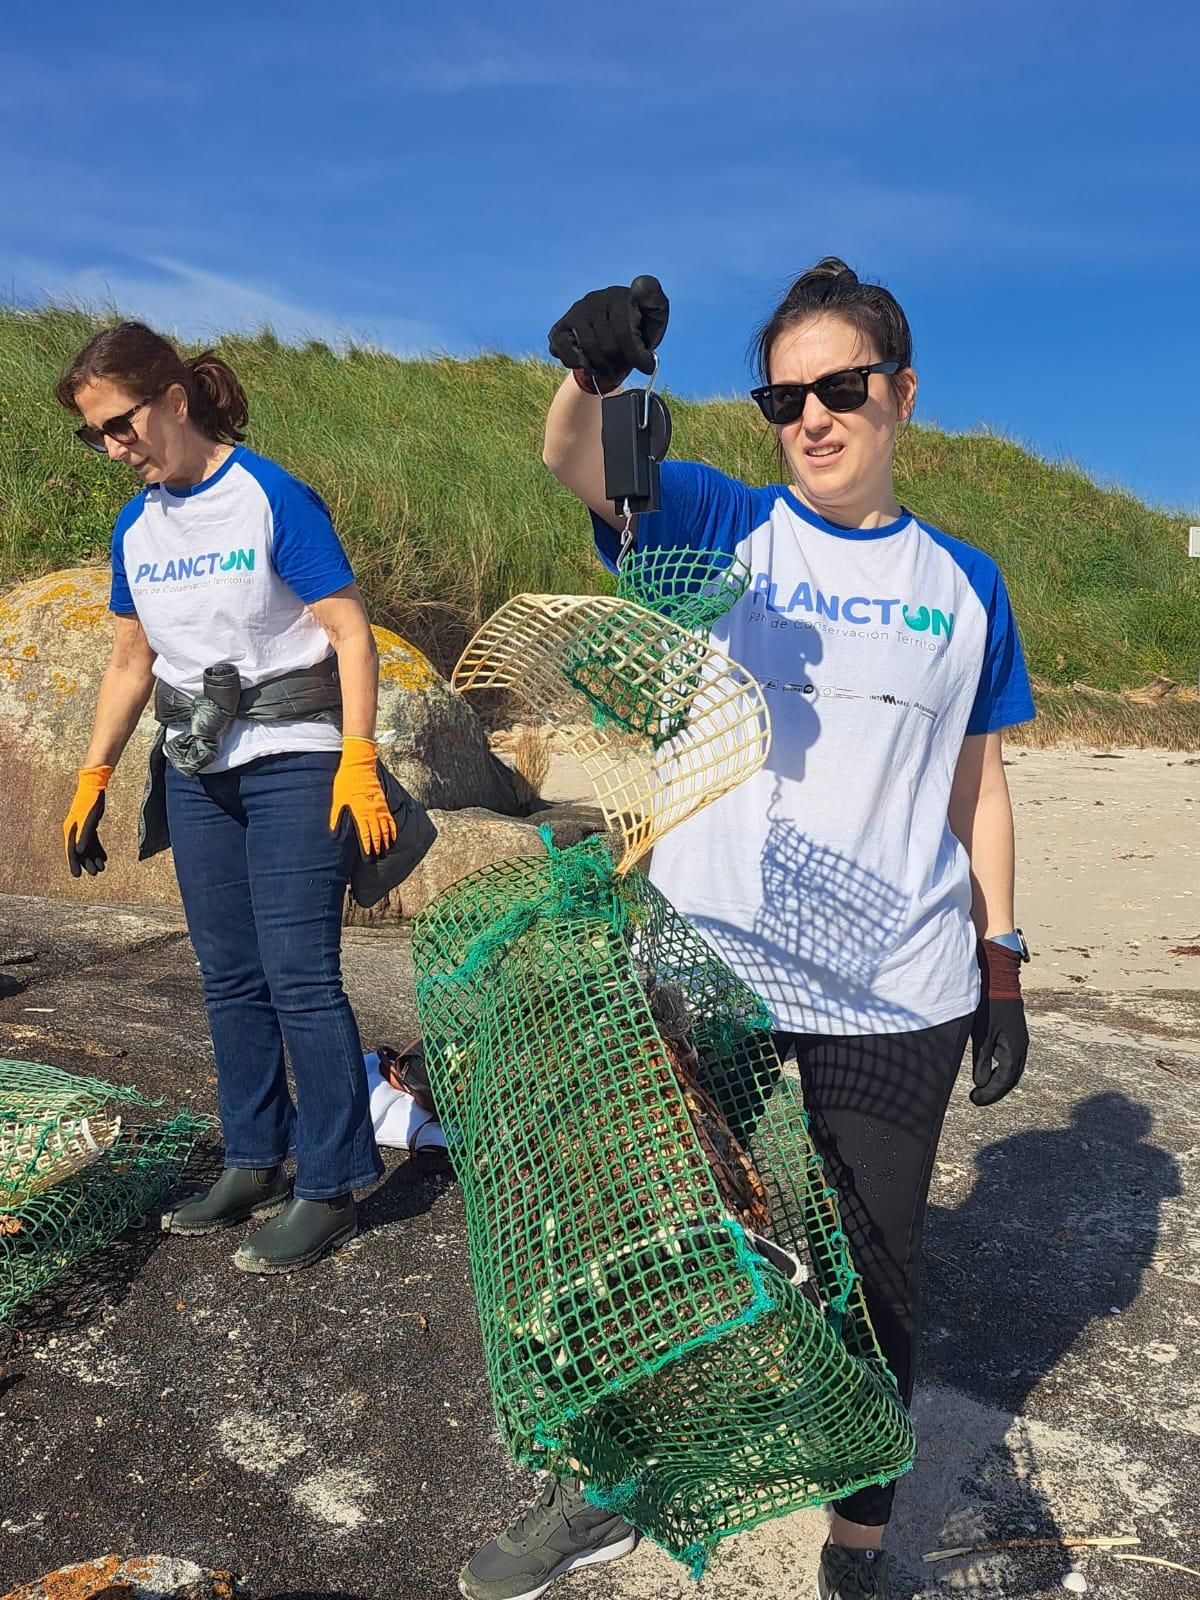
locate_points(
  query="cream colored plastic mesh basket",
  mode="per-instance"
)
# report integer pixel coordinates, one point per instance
(661, 722)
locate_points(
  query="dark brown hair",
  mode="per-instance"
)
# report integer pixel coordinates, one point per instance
(832, 289)
(146, 364)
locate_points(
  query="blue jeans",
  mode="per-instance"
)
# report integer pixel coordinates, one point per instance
(263, 882)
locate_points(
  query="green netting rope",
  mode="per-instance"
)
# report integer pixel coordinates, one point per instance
(636, 676)
(692, 587)
(579, 883)
(624, 1132)
(76, 1169)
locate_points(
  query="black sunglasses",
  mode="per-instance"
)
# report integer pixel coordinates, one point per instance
(119, 428)
(782, 403)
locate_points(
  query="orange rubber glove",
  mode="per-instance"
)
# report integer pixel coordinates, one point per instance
(356, 789)
(85, 853)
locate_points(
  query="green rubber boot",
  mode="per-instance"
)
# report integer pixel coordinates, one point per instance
(306, 1231)
(237, 1195)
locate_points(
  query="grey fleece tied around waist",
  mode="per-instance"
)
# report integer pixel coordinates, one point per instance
(310, 694)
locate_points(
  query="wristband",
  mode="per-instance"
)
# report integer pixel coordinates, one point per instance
(591, 384)
(1000, 969)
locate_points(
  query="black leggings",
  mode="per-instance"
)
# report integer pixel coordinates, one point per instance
(877, 1103)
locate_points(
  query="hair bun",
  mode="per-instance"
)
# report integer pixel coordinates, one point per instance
(822, 285)
(833, 267)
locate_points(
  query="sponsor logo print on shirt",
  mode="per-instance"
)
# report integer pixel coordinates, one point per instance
(902, 704)
(183, 568)
(830, 691)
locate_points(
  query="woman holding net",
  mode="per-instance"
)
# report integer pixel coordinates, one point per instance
(863, 881)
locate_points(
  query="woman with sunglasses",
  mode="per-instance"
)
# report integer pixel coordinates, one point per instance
(862, 882)
(228, 582)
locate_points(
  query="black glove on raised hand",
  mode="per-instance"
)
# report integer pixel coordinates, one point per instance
(611, 331)
(999, 1036)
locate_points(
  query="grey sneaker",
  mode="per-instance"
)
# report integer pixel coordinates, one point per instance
(854, 1574)
(560, 1531)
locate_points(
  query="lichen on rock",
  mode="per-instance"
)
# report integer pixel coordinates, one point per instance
(55, 641)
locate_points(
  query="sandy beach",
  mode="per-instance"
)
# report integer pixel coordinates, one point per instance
(1108, 870)
(1108, 864)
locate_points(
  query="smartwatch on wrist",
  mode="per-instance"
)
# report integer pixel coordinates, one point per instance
(1014, 941)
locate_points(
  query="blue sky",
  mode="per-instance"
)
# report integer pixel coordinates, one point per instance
(1024, 174)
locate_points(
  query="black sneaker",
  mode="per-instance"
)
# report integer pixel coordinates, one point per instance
(854, 1574)
(559, 1532)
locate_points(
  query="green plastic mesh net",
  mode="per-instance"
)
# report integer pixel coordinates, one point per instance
(79, 1161)
(627, 1142)
(691, 587)
(637, 675)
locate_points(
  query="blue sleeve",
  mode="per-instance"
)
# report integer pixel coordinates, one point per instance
(120, 599)
(1003, 697)
(305, 550)
(702, 509)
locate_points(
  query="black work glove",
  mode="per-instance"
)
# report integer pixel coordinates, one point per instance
(611, 331)
(999, 1036)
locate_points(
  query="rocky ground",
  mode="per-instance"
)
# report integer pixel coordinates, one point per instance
(330, 1437)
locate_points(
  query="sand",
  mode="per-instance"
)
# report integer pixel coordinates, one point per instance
(1108, 864)
(1108, 867)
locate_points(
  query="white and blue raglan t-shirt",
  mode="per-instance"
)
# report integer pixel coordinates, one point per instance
(830, 880)
(225, 571)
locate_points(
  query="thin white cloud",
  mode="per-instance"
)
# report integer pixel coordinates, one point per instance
(193, 303)
(385, 53)
(494, 65)
(757, 229)
(35, 85)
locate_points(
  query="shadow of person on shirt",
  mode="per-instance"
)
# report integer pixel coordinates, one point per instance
(824, 926)
(781, 664)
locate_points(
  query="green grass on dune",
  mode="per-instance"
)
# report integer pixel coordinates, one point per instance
(433, 473)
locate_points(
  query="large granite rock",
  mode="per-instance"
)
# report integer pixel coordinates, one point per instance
(431, 738)
(55, 638)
